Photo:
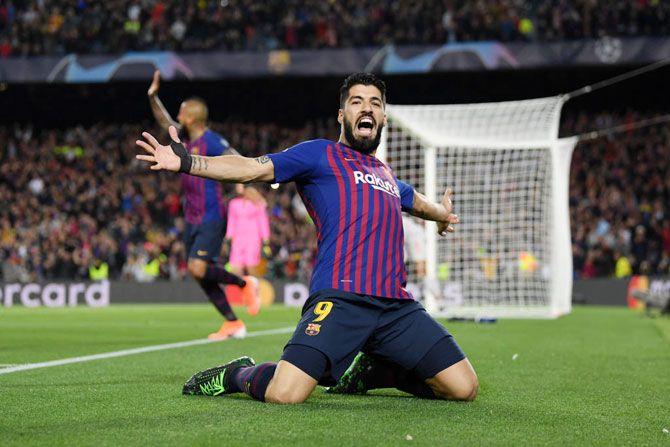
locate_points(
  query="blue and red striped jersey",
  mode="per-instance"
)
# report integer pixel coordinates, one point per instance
(356, 203)
(203, 197)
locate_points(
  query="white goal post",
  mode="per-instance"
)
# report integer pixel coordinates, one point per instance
(511, 254)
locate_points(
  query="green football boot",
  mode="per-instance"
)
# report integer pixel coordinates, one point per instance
(353, 381)
(212, 382)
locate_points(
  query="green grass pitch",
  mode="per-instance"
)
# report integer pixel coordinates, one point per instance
(599, 376)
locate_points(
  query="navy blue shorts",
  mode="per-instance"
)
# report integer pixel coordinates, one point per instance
(340, 324)
(204, 241)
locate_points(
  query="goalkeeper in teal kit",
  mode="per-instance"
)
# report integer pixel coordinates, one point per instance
(357, 301)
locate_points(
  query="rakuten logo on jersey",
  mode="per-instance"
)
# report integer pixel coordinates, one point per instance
(377, 183)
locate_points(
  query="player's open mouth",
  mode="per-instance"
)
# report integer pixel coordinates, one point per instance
(365, 126)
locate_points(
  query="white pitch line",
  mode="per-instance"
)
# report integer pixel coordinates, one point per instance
(107, 355)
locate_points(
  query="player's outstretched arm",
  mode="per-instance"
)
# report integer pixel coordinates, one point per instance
(225, 168)
(157, 108)
(438, 212)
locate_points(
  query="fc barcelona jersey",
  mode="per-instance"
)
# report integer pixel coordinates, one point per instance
(356, 203)
(204, 197)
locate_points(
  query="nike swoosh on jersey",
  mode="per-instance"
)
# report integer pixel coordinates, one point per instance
(201, 252)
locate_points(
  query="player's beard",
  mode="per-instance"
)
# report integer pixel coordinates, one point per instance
(183, 134)
(363, 145)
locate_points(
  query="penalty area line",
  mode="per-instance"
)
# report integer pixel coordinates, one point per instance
(125, 352)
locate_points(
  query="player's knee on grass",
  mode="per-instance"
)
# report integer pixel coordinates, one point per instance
(197, 268)
(448, 372)
(458, 382)
(290, 385)
(466, 391)
(284, 395)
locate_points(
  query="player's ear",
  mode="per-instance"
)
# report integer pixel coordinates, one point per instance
(386, 122)
(340, 116)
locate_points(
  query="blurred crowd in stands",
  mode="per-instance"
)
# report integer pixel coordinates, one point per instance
(620, 197)
(56, 27)
(76, 201)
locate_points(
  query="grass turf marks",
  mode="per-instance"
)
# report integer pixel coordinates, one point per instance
(598, 376)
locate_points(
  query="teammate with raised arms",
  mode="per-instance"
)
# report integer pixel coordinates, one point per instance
(205, 211)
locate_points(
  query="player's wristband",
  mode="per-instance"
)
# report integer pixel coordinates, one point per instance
(184, 158)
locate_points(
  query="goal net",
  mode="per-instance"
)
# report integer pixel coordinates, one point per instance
(511, 255)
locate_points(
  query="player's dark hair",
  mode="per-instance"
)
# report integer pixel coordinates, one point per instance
(362, 79)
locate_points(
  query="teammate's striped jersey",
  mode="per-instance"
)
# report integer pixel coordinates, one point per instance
(203, 197)
(356, 202)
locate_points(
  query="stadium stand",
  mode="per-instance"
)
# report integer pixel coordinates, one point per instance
(618, 213)
(59, 27)
(77, 195)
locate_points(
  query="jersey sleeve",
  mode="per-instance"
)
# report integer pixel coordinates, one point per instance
(217, 145)
(406, 196)
(297, 162)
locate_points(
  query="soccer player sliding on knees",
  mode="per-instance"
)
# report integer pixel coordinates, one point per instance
(357, 300)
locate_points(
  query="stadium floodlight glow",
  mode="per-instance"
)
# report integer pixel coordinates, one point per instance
(511, 254)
